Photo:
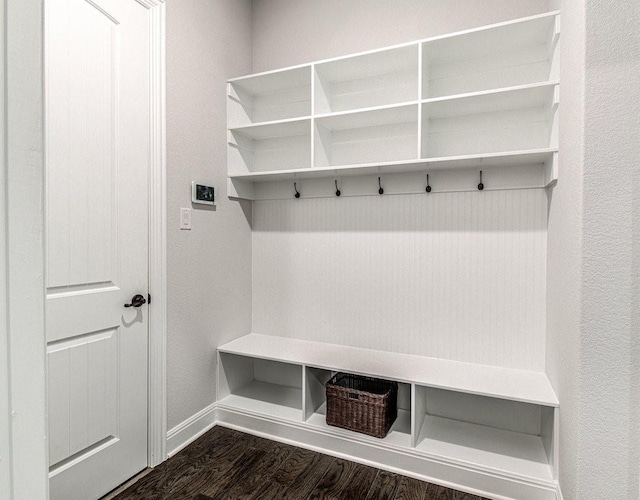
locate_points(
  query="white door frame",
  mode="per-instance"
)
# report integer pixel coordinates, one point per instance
(23, 408)
(5, 421)
(157, 399)
(23, 390)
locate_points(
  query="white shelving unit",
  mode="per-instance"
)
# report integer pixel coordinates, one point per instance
(458, 101)
(498, 420)
(483, 101)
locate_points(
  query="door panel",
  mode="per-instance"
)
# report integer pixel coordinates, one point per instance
(82, 109)
(83, 409)
(97, 152)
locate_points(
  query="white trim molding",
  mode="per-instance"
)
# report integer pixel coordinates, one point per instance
(150, 4)
(5, 401)
(191, 429)
(157, 390)
(451, 474)
(23, 263)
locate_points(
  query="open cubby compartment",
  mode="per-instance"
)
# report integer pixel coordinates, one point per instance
(500, 434)
(520, 119)
(261, 386)
(315, 409)
(269, 147)
(515, 53)
(374, 136)
(270, 96)
(378, 78)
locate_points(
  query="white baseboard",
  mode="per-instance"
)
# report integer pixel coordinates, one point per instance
(468, 478)
(471, 481)
(191, 429)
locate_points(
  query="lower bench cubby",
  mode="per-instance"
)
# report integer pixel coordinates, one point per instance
(506, 435)
(316, 409)
(260, 385)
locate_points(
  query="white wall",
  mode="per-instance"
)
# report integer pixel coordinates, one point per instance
(369, 271)
(594, 242)
(209, 267)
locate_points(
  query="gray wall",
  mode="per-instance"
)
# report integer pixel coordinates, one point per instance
(594, 242)
(288, 32)
(209, 267)
(610, 250)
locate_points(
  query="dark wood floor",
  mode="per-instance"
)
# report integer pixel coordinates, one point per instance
(226, 464)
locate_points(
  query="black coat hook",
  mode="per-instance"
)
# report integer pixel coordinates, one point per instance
(295, 188)
(480, 186)
(380, 190)
(428, 188)
(337, 190)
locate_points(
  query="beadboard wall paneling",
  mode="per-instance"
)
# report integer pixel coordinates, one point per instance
(453, 275)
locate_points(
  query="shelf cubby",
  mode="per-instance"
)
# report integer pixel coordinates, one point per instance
(516, 119)
(261, 386)
(374, 79)
(276, 95)
(273, 146)
(500, 434)
(375, 135)
(316, 410)
(514, 53)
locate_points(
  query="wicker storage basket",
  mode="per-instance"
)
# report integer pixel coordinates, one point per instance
(362, 404)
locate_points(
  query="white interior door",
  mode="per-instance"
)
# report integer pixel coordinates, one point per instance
(97, 154)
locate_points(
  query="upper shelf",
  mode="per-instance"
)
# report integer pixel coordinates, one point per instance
(504, 99)
(509, 159)
(280, 128)
(484, 380)
(485, 97)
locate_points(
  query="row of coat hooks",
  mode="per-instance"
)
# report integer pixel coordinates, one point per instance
(380, 188)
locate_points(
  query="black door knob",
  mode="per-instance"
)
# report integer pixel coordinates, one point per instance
(136, 301)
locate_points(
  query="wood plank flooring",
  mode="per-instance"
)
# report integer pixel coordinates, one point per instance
(227, 464)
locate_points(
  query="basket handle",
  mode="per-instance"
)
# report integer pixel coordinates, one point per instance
(354, 395)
